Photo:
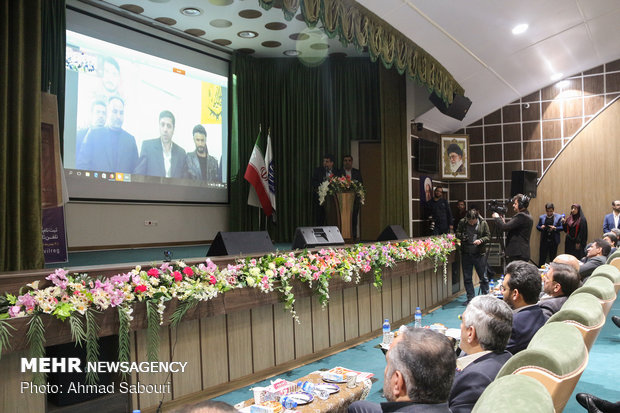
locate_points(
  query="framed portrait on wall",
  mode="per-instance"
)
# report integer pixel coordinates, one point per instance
(455, 157)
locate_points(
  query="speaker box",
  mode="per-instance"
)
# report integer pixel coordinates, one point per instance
(457, 110)
(310, 237)
(235, 243)
(392, 233)
(523, 182)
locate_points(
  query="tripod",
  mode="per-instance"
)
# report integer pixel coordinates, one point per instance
(498, 235)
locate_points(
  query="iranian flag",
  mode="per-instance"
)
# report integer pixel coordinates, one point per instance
(260, 174)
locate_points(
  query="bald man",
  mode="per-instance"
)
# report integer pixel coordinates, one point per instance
(568, 260)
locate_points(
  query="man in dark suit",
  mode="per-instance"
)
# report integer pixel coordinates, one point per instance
(612, 220)
(521, 290)
(354, 174)
(161, 156)
(519, 229)
(439, 213)
(109, 149)
(559, 282)
(596, 255)
(485, 329)
(418, 375)
(320, 174)
(550, 226)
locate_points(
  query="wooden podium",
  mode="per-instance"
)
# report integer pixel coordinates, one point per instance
(339, 212)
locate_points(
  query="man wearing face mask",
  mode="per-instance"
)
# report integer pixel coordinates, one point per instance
(201, 165)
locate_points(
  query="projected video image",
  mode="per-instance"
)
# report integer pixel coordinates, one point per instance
(143, 118)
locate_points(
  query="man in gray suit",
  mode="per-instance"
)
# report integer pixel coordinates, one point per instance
(596, 255)
(201, 165)
(161, 156)
(559, 282)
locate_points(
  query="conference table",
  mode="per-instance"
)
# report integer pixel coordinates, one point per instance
(336, 403)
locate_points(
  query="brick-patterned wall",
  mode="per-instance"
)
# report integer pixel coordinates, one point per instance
(525, 134)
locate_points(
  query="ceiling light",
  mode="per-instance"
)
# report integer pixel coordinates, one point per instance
(247, 34)
(291, 53)
(562, 84)
(191, 11)
(519, 28)
(556, 76)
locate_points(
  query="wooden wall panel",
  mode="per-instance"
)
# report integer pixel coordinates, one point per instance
(351, 313)
(336, 318)
(150, 399)
(593, 149)
(376, 308)
(239, 344)
(214, 341)
(363, 304)
(422, 298)
(134, 375)
(397, 298)
(428, 289)
(283, 331)
(10, 387)
(187, 349)
(263, 347)
(320, 325)
(405, 307)
(413, 288)
(386, 299)
(303, 329)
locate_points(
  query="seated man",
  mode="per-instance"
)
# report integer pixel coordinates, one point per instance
(521, 289)
(558, 284)
(612, 238)
(568, 260)
(596, 255)
(485, 329)
(418, 375)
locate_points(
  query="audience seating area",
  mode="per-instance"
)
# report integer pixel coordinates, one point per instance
(558, 353)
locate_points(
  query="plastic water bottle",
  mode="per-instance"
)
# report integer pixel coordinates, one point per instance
(288, 403)
(386, 331)
(417, 318)
(491, 287)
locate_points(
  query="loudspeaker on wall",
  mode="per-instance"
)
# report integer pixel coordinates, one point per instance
(310, 237)
(235, 243)
(523, 182)
(392, 233)
(457, 110)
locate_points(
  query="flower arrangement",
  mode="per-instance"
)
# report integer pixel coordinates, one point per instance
(78, 297)
(337, 184)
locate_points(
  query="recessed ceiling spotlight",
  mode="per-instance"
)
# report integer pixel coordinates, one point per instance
(291, 52)
(562, 84)
(191, 11)
(519, 28)
(556, 76)
(247, 34)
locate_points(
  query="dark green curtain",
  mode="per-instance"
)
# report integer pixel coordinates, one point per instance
(21, 246)
(310, 111)
(394, 165)
(53, 34)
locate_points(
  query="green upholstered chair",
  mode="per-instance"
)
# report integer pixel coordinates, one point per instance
(602, 288)
(610, 270)
(613, 256)
(514, 394)
(556, 357)
(584, 312)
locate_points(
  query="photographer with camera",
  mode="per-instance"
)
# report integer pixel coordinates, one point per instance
(473, 231)
(518, 229)
(440, 215)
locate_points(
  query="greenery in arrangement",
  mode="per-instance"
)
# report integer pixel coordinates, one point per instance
(80, 297)
(337, 184)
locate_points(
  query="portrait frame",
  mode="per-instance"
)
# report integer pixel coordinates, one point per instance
(453, 168)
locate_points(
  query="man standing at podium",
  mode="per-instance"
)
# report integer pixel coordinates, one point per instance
(354, 174)
(320, 174)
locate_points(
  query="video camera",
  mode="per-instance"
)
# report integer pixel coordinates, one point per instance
(498, 206)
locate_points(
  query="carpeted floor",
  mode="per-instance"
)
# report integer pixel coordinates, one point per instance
(601, 377)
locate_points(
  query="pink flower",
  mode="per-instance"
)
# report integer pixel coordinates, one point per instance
(212, 280)
(188, 271)
(14, 311)
(140, 288)
(153, 272)
(177, 276)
